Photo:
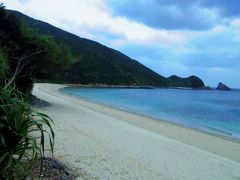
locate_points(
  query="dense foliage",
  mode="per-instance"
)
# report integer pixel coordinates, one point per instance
(93, 63)
(192, 81)
(20, 128)
(23, 48)
(3, 65)
(22, 131)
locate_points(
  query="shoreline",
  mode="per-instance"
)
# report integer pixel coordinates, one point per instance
(158, 125)
(214, 132)
(107, 143)
(205, 88)
(137, 87)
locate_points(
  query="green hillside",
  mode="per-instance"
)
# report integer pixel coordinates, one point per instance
(89, 62)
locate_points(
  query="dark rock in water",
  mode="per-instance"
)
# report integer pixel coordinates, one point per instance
(224, 87)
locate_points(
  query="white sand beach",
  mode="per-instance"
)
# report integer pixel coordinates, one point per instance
(107, 143)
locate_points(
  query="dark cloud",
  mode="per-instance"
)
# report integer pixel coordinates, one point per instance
(226, 8)
(177, 14)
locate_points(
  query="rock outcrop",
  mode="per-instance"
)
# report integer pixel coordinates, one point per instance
(223, 87)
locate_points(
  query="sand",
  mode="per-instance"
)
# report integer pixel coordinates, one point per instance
(107, 143)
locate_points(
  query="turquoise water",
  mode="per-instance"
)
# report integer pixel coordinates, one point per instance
(208, 110)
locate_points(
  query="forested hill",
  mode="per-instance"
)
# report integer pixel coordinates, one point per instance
(90, 62)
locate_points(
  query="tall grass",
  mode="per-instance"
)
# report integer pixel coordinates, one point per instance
(22, 135)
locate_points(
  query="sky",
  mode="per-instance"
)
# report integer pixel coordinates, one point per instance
(180, 37)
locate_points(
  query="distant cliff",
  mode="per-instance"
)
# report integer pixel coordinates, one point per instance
(94, 63)
(192, 81)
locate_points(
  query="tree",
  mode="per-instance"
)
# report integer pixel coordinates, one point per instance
(25, 54)
(2, 10)
(21, 63)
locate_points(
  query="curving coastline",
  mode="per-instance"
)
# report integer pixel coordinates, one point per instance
(103, 142)
(213, 130)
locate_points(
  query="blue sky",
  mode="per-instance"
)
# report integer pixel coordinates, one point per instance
(181, 37)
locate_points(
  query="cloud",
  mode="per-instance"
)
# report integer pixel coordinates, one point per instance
(175, 14)
(81, 16)
(225, 8)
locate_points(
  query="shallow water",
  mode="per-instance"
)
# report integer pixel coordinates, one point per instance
(208, 110)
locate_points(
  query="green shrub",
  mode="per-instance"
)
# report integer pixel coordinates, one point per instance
(22, 135)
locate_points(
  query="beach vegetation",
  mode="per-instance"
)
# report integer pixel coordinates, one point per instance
(23, 131)
(22, 135)
(26, 54)
(3, 65)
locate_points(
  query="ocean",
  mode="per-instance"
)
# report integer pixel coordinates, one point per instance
(212, 111)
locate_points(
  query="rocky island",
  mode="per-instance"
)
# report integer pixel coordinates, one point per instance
(223, 87)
